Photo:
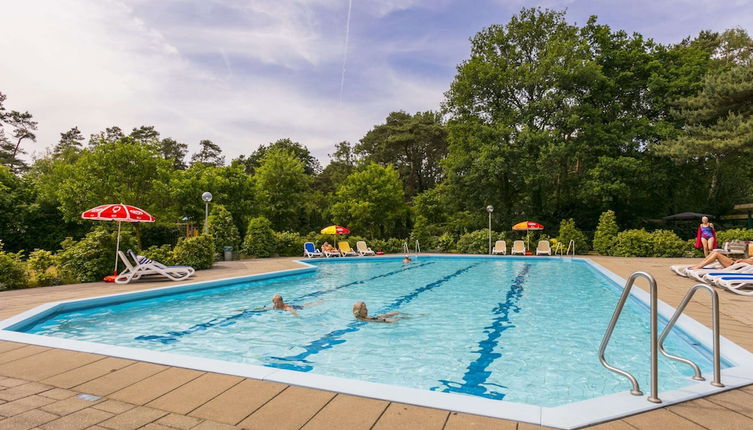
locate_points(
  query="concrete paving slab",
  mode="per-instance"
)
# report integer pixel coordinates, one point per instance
(67, 406)
(459, 421)
(212, 425)
(133, 418)
(114, 406)
(22, 405)
(78, 420)
(736, 400)
(19, 353)
(612, 425)
(195, 393)
(46, 364)
(346, 412)
(11, 382)
(119, 379)
(711, 415)
(289, 410)
(154, 426)
(88, 372)
(58, 393)
(238, 402)
(27, 420)
(7, 346)
(178, 421)
(400, 415)
(155, 386)
(24, 390)
(660, 419)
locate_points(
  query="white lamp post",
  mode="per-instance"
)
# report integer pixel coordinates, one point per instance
(207, 197)
(490, 209)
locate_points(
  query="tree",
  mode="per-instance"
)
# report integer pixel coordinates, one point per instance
(283, 187)
(310, 164)
(174, 151)
(223, 229)
(110, 135)
(70, 144)
(606, 233)
(413, 144)
(372, 201)
(209, 154)
(342, 163)
(145, 135)
(20, 127)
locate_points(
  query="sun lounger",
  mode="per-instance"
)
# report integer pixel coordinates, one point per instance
(363, 249)
(142, 266)
(518, 247)
(737, 284)
(681, 269)
(698, 274)
(309, 250)
(345, 248)
(331, 252)
(500, 247)
(543, 248)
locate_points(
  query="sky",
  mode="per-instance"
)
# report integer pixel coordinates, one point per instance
(246, 73)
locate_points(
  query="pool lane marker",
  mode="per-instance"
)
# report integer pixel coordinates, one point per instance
(474, 379)
(333, 338)
(172, 336)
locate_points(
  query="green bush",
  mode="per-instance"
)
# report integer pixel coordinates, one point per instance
(288, 244)
(633, 243)
(197, 252)
(733, 234)
(421, 233)
(223, 229)
(161, 254)
(568, 232)
(445, 243)
(260, 238)
(43, 267)
(388, 246)
(477, 242)
(92, 257)
(692, 251)
(12, 271)
(606, 233)
(668, 244)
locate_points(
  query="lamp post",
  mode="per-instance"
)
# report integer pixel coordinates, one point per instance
(490, 209)
(207, 197)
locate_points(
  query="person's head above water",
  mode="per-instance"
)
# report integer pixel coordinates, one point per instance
(277, 302)
(360, 310)
(407, 259)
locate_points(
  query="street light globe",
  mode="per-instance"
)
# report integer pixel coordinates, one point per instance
(207, 196)
(490, 208)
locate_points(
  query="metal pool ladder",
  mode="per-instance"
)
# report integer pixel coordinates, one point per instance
(560, 248)
(657, 342)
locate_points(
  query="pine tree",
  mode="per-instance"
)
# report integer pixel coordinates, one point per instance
(209, 154)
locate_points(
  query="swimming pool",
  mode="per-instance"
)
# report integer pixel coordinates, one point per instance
(519, 330)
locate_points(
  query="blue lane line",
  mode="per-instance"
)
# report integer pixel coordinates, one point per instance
(474, 379)
(172, 336)
(332, 338)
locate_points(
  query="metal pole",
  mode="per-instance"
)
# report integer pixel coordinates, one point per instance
(117, 248)
(490, 233)
(654, 397)
(206, 217)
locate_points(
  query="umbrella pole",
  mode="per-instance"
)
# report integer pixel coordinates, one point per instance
(117, 248)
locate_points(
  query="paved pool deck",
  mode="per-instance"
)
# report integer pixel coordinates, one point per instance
(40, 386)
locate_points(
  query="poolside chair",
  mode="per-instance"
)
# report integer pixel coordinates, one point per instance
(543, 248)
(136, 267)
(712, 277)
(345, 248)
(309, 250)
(737, 284)
(363, 249)
(518, 247)
(699, 274)
(500, 247)
(330, 252)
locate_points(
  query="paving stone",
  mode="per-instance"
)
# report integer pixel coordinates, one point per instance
(22, 405)
(460, 421)
(24, 390)
(660, 419)
(400, 415)
(78, 420)
(46, 364)
(211, 425)
(346, 412)
(289, 410)
(612, 425)
(114, 406)
(58, 393)
(238, 402)
(119, 379)
(153, 426)
(67, 406)
(190, 396)
(737, 400)
(19, 353)
(88, 372)
(178, 421)
(11, 382)
(155, 386)
(7, 346)
(133, 418)
(711, 415)
(27, 420)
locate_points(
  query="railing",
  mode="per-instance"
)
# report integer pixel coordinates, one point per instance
(418, 247)
(717, 381)
(405, 248)
(636, 391)
(569, 245)
(560, 248)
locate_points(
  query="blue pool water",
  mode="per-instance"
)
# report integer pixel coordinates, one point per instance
(519, 329)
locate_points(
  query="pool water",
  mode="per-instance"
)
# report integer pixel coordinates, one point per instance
(519, 329)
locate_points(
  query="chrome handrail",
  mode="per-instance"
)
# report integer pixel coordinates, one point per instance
(572, 242)
(717, 382)
(418, 247)
(636, 391)
(558, 248)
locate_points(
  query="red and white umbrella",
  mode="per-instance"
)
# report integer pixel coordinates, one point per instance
(120, 213)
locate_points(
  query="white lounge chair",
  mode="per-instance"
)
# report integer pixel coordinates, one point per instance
(363, 249)
(712, 277)
(737, 284)
(141, 266)
(682, 269)
(699, 274)
(332, 252)
(309, 250)
(518, 247)
(500, 247)
(543, 248)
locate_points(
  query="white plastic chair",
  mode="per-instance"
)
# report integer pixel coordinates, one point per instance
(148, 267)
(543, 248)
(518, 247)
(500, 247)
(363, 249)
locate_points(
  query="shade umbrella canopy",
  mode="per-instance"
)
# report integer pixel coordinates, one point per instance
(120, 213)
(686, 216)
(528, 225)
(335, 229)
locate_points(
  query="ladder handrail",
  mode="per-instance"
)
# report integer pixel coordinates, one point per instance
(405, 248)
(572, 242)
(717, 381)
(418, 247)
(636, 391)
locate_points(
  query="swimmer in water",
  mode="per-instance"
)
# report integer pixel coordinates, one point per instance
(407, 260)
(362, 313)
(279, 305)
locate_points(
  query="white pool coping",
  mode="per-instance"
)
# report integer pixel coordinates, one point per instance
(572, 415)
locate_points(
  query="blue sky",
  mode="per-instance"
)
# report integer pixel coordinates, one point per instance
(245, 73)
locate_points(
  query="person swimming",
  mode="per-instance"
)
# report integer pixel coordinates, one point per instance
(279, 304)
(362, 314)
(407, 260)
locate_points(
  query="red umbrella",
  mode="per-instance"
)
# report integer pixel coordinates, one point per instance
(528, 226)
(120, 213)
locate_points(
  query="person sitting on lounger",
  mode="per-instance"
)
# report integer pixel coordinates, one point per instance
(725, 261)
(362, 313)
(326, 247)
